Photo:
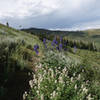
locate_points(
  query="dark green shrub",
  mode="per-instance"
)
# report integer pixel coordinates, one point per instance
(29, 47)
(27, 56)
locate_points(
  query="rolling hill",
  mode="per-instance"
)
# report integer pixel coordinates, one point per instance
(51, 74)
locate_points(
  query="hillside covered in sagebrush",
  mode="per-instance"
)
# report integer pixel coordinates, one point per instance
(37, 65)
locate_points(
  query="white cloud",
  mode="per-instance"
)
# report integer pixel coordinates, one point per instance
(24, 8)
(51, 13)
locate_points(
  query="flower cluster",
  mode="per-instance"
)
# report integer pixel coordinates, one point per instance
(51, 81)
(57, 45)
(54, 42)
(44, 42)
(36, 47)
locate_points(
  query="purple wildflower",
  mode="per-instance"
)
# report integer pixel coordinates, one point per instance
(57, 47)
(54, 42)
(37, 52)
(60, 46)
(65, 46)
(65, 43)
(44, 42)
(36, 47)
(61, 39)
(45, 45)
(65, 49)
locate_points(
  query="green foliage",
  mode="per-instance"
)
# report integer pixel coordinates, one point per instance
(57, 75)
(57, 78)
(29, 47)
(16, 56)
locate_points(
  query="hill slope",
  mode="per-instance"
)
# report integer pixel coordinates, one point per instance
(17, 58)
(72, 75)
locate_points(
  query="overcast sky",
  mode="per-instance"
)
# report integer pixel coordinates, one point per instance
(51, 14)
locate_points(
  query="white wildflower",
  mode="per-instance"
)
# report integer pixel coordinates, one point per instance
(50, 69)
(31, 83)
(42, 97)
(75, 86)
(38, 85)
(51, 96)
(40, 78)
(40, 66)
(89, 97)
(79, 77)
(56, 71)
(55, 81)
(37, 92)
(35, 87)
(72, 80)
(32, 73)
(35, 81)
(45, 71)
(58, 88)
(60, 79)
(52, 73)
(58, 67)
(82, 86)
(25, 95)
(85, 90)
(65, 75)
(45, 86)
(54, 93)
(82, 70)
(29, 73)
(74, 74)
(34, 76)
(64, 70)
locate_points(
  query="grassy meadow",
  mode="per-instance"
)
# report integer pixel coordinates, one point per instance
(57, 72)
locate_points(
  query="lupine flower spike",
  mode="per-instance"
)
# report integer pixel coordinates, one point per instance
(60, 46)
(44, 42)
(61, 39)
(36, 47)
(54, 42)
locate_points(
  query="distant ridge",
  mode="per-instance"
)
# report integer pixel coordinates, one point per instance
(32, 29)
(86, 35)
(41, 30)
